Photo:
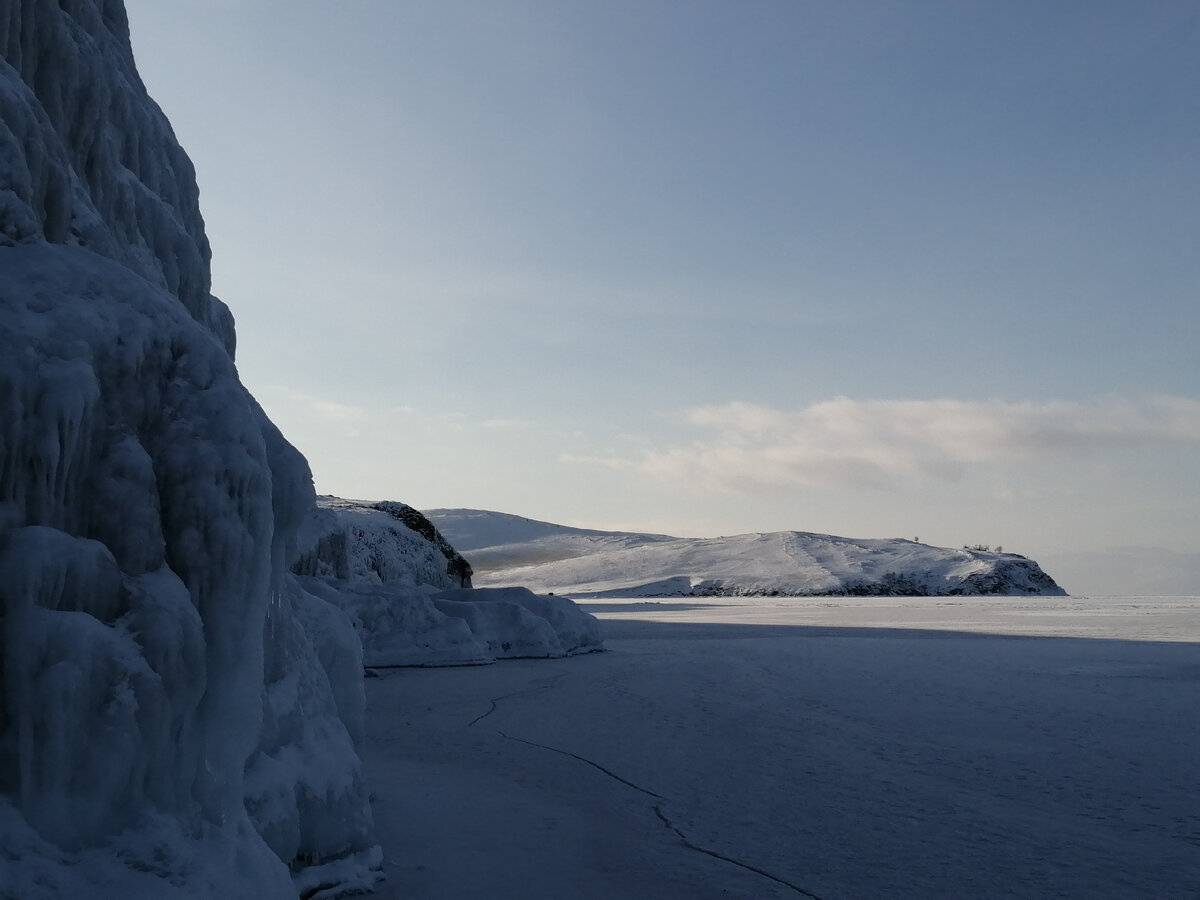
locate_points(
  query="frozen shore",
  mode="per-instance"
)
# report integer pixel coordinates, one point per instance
(885, 747)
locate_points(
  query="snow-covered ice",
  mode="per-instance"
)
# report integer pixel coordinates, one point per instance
(861, 747)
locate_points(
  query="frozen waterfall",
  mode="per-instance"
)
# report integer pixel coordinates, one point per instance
(179, 716)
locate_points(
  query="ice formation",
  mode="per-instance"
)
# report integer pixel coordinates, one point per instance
(407, 592)
(182, 626)
(180, 717)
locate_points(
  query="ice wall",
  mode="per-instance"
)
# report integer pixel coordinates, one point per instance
(178, 717)
(407, 592)
(89, 159)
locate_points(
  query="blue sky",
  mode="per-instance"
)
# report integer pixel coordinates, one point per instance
(868, 268)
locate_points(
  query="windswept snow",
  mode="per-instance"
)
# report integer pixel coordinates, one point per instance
(508, 550)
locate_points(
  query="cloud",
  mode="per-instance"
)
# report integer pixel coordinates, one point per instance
(883, 443)
(500, 424)
(291, 404)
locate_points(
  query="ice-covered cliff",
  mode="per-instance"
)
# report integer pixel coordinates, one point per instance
(179, 716)
(506, 549)
(407, 592)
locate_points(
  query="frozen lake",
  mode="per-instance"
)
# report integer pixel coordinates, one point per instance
(822, 747)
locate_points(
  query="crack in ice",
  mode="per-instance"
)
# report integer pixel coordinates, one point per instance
(584, 759)
(533, 690)
(658, 807)
(687, 842)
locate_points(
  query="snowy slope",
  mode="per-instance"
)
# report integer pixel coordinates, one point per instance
(506, 550)
(179, 717)
(355, 540)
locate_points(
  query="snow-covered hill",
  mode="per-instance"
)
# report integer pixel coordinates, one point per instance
(508, 550)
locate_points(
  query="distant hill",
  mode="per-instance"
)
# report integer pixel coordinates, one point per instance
(504, 550)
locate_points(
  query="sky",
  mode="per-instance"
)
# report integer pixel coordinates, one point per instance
(876, 269)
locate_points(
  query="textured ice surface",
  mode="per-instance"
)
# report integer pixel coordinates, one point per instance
(401, 589)
(399, 625)
(567, 628)
(863, 747)
(178, 714)
(353, 540)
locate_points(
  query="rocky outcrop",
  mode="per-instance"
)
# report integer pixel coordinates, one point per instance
(351, 539)
(407, 592)
(456, 565)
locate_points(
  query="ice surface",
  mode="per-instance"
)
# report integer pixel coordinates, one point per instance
(508, 550)
(902, 747)
(179, 715)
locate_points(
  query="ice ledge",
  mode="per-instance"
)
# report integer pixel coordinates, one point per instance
(400, 582)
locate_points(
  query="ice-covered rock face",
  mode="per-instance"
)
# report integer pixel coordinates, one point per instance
(175, 708)
(353, 540)
(87, 158)
(407, 592)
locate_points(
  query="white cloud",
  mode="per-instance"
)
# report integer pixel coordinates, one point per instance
(883, 443)
(291, 405)
(299, 408)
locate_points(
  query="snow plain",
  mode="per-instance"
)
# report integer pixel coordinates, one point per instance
(806, 747)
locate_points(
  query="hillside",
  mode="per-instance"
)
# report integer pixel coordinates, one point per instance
(509, 550)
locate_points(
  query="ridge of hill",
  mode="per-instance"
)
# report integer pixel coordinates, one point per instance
(504, 549)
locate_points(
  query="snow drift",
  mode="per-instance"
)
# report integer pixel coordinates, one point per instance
(179, 716)
(408, 592)
(509, 550)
